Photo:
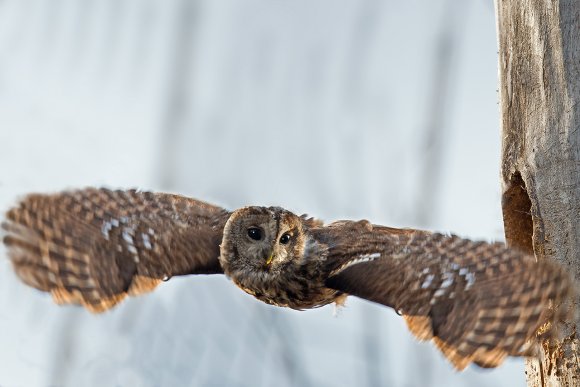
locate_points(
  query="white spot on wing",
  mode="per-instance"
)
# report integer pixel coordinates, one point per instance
(443, 288)
(470, 278)
(127, 237)
(428, 281)
(105, 228)
(438, 293)
(370, 257)
(108, 226)
(447, 280)
(360, 259)
(146, 241)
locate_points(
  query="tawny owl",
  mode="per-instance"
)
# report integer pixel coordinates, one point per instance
(479, 302)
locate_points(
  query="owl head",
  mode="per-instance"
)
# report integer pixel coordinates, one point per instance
(261, 240)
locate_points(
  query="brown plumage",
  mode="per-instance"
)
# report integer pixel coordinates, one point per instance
(479, 302)
(95, 246)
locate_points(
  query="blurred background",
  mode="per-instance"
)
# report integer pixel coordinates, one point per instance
(376, 109)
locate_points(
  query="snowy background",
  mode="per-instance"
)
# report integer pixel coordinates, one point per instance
(376, 109)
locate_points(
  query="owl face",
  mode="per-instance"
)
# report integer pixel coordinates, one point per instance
(270, 253)
(261, 240)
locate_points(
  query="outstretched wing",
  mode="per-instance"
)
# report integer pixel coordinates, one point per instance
(479, 302)
(96, 246)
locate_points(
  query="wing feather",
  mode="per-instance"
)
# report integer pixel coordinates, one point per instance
(96, 246)
(479, 302)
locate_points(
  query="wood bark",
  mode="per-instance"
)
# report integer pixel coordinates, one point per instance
(539, 69)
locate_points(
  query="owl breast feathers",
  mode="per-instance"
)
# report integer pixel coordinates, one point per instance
(479, 302)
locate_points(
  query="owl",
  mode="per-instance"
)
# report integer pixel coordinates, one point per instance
(479, 302)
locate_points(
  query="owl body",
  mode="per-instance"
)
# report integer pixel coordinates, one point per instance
(479, 302)
(294, 275)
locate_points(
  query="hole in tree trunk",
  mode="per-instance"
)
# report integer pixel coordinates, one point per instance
(517, 216)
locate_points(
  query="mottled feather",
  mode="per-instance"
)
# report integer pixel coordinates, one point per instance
(479, 302)
(96, 246)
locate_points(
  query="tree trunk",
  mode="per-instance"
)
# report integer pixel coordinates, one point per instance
(539, 68)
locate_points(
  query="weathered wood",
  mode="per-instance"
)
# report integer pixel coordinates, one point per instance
(539, 67)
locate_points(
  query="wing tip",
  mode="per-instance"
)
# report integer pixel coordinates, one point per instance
(62, 296)
(482, 357)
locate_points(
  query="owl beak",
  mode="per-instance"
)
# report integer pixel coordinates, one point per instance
(270, 259)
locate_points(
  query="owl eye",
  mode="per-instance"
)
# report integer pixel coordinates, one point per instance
(255, 233)
(284, 239)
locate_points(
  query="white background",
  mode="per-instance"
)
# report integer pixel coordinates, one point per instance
(381, 110)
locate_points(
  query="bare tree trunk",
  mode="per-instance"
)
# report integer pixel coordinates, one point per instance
(539, 67)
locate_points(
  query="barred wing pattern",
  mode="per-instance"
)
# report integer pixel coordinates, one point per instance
(96, 246)
(479, 302)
